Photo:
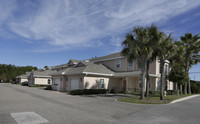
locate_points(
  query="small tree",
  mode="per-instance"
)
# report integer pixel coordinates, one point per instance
(178, 75)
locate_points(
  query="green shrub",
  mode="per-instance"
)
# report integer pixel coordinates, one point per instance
(112, 91)
(38, 85)
(48, 87)
(134, 93)
(195, 87)
(154, 93)
(76, 92)
(172, 92)
(88, 91)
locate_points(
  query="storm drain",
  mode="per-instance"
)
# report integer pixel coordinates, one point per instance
(28, 118)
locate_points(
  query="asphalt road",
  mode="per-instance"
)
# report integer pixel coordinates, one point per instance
(37, 106)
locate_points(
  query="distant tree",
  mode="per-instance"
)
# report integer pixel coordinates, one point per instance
(195, 87)
(46, 67)
(9, 72)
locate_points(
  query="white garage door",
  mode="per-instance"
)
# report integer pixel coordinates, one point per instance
(57, 84)
(74, 84)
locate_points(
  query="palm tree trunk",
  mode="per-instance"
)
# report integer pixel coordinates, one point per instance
(181, 89)
(142, 85)
(144, 66)
(186, 68)
(147, 80)
(189, 87)
(161, 80)
(185, 88)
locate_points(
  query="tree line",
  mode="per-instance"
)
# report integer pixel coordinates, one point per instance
(9, 72)
(149, 43)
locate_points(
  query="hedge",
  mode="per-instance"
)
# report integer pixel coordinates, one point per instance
(38, 85)
(48, 87)
(88, 91)
(154, 93)
(172, 92)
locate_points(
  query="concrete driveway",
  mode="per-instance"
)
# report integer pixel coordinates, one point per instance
(19, 104)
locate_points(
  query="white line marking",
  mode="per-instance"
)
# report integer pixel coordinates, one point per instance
(28, 118)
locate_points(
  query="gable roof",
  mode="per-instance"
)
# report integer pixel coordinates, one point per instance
(24, 75)
(83, 63)
(73, 61)
(90, 68)
(59, 66)
(107, 57)
(43, 73)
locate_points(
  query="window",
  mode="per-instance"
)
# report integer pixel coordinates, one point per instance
(49, 81)
(101, 84)
(118, 63)
(166, 69)
(130, 64)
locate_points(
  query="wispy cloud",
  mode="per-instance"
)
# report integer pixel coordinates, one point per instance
(77, 23)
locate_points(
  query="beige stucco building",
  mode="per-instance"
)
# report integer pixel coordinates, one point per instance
(108, 72)
(22, 78)
(40, 77)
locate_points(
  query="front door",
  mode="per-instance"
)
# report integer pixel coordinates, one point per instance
(124, 85)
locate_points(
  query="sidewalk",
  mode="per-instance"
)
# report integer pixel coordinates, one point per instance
(185, 98)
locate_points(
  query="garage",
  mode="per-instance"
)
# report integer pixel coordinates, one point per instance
(57, 84)
(74, 84)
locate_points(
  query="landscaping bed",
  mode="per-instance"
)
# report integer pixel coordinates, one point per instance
(152, 100)
(88, 91)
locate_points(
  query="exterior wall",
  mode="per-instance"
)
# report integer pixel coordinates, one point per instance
(124, 65)
(170, 85)
(93, 82)
(152, 68)
(65, 84)
(23, 80)
(133, 84)
(20, 80)
(115, 83)
(53, 82)
(42, 81)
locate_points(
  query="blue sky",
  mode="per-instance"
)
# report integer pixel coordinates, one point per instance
(50, 32)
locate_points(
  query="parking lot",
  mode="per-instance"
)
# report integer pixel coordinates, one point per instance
(62, 108)
(20, 104)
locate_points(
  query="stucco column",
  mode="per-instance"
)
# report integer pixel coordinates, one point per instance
(126, 84)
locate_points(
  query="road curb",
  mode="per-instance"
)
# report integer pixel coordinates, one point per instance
(183, 99)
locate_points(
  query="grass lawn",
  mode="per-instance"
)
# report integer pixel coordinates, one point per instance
(152, 100)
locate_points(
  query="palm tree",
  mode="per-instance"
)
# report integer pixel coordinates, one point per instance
(191, 46)
(164, 51)
(178, 58)
(136, 46)
(154, 36)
